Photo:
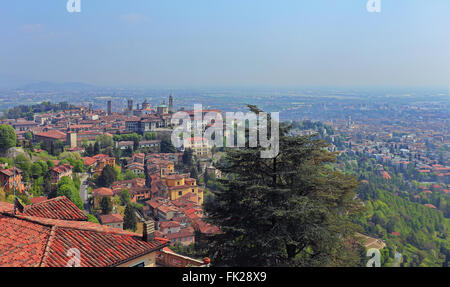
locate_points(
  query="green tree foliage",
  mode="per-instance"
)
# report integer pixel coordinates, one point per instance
(92, 218)
(423, 232)
(106, 205)
(47, 185)
(74, 159)
(89, 150)
(194, 173)
(50, 164)
(29, 136)
(397, 207)
(129, 219)
(107, 177)
(125, 196)
(128, 137)
(7, 137)
(44, 166)
(36, 170)
(96, 148)
(28, 112)
(7, 160)
(54, 148)
(128, 175)
(291, 210)
(167, 146)
(104, 141)
(23, 162)
(151, 136)
(188, 157)
(66, 187)
(37, 188)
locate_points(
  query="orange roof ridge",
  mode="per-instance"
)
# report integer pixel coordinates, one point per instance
(48, 245)
(45, 201)
(76, 225)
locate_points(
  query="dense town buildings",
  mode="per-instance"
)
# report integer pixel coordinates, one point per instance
(170, 196)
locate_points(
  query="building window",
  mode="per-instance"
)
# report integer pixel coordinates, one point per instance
(180, 193)
(140, 264)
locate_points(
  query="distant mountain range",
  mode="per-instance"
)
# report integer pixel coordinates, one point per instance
(51, 86)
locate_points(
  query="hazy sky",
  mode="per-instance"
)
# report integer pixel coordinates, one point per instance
(227, 42)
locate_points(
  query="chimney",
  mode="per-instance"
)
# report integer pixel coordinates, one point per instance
(149, 230)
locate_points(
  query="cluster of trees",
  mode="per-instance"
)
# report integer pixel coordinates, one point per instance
(315, 126)
(130, 219)
(74, 159)
(167, 146)
(438, 198)
(108, 176)
(211, 181)
(324, 132)
(418, 232)
(28, 112)
(190, 163)
(37, 173)
(106, 205)
(69, 188)
(103, 144)
(7, 137)
(8, 196)
(291, 210)
(127, 137)
(134, 137)
(53, 148)
(393, 209)
(151, 136)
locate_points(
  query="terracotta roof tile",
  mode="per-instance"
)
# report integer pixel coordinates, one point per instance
(56, 208)
(103, 191)
(111, 218)
(54, 134)
(31, 241)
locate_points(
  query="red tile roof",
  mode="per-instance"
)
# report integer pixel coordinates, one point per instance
(187, 232)
(32, 241)
(21, 242)
(54, 134)
(103, 191)
(56, 208)
(168, 224)
(10, 171)
(89, 160)
(6, 207)
(38, 199)
(61, 168)
(111, 218)
(101, 156)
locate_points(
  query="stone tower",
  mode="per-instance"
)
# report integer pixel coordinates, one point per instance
(109, 108)
(130, 108)
(170, 103)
